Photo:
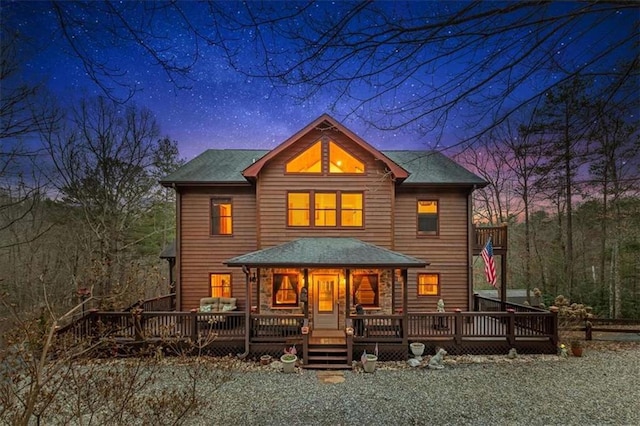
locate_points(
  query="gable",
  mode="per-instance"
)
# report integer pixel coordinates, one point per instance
(322, 124)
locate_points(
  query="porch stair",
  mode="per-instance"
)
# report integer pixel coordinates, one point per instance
(327, 357)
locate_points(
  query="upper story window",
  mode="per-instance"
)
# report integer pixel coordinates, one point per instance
(310, 161)
(221, 218)
(365, 290)
(340, 161)
(220, 285)
(328, 209)
(428, 217)
(298, 209)
(325, 156)
(285, 290)
(428, 284)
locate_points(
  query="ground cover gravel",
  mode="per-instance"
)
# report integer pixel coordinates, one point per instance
(603, 387)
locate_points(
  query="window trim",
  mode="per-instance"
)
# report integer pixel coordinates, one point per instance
(211, 274)
(211, 229)
(438, 284)
(312, 209)
(435, 233)
(274, 304)
(376, 304)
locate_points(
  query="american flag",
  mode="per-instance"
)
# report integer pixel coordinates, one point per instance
(489, 264)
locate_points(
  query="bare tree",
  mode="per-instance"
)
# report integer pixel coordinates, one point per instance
(103, 163)
(414, 65)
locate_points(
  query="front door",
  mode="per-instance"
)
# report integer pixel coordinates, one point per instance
(325, 306)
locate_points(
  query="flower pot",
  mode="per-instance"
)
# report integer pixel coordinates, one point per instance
(576, 350)
(417, 349)
(265, 359)
(288, 363)
(370, 364)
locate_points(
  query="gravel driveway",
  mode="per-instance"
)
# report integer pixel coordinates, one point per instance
(600, 388)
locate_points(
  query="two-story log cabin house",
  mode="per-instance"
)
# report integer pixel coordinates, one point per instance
(320, 224)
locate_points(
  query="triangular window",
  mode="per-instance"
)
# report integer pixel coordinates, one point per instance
(310, 161)
(340, 161)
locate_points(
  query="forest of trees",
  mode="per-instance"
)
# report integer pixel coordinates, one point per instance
(79, 201)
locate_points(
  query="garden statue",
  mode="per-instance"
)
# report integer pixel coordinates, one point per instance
(440, 307)
(563, 351)
(435, 363)
(513, 354)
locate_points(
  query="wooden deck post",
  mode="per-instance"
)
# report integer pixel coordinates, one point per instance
(588, 330)
(511, 327)
(194, 325)
(458, 326)
(405, 314)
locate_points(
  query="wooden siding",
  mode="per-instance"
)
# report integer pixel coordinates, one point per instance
(273, 186)
(447, 252)
(202, 253)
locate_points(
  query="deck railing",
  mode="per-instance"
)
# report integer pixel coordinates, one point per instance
(456, 327)
(498, 236)
(166, 302)
(489, 304)
(507, 326)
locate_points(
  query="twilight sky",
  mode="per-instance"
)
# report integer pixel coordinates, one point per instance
(221, 108)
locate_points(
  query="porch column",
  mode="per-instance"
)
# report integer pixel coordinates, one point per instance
(305, 273)
(503, 281)
(347, 292)
(405, 315)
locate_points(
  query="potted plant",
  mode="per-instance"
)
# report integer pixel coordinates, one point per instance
(576, 348)
(368, 362)
(265, 359)
(289, 359)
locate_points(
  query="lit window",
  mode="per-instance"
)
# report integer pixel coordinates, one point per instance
(428, 217)
(351, 209)
(428, 284)
(310, 161)
(365, 290)
(340, 161)
(220, 285)
(325, 209)
(221, 220)
(298, 209)
(285, 289)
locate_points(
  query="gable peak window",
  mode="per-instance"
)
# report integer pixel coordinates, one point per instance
(340, 161)
(221, 216)
(309, 161)
(325, 156)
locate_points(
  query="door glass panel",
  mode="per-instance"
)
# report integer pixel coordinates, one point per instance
(325, 296)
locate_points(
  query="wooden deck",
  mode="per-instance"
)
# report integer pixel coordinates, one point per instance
(529, 330)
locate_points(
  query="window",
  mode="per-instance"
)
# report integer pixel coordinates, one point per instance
(325, 209)
(221, 220)
(365, 290)
(314, 160)
(351, 209)
(428, 284)
(220, 285)
(427, 217)
(310, 161)
(285, 290)
(298, 209)
(340, 161)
